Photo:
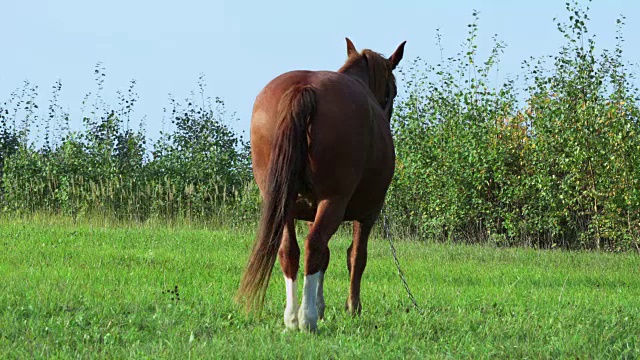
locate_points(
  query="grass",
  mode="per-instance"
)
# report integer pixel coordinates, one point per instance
(95, 291)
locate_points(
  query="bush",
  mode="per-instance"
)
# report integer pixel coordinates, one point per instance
(473, 165)
(200, 172)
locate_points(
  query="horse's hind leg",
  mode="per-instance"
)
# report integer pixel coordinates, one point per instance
(328, 218)
(289, 256)
(357, 260)
(320, 305)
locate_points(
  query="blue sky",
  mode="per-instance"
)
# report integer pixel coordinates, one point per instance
(241, 45)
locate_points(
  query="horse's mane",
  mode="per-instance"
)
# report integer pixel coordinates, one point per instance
(379, 72)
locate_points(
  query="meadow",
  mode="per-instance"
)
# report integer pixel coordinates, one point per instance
(100, 290)
(515, 208)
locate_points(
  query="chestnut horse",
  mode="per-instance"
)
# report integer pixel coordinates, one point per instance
(322, 151)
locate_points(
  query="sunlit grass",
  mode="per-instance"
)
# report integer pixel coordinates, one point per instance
(87, 290)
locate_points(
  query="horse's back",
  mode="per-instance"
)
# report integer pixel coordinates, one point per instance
(350, 151)
(337, 93)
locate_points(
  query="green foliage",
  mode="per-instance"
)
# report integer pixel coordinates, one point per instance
(200, 172)
(473, 165)
(203, 156)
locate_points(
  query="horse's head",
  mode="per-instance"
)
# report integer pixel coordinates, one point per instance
(376, 71)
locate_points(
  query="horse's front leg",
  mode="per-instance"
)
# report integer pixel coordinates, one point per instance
(356, 262)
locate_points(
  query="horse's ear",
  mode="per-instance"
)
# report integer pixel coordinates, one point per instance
(351, 49)
(397, 55)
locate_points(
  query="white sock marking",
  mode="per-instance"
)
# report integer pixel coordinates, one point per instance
(291, 309)
(320, 296)
(308, 313)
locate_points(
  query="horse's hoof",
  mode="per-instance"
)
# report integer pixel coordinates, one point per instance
(288, 329)
(309, 329)
(308, 326)
(291, 325)
(354, 310)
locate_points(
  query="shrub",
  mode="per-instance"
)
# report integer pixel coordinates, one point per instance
(198, 172)
(474, 165)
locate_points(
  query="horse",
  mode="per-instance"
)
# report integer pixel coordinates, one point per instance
(322, 152)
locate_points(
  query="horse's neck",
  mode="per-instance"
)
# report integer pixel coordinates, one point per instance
(358, 73)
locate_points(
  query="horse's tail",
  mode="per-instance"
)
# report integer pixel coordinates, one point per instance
(286, 171)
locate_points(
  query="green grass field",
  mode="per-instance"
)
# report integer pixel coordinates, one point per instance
(95, 291)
